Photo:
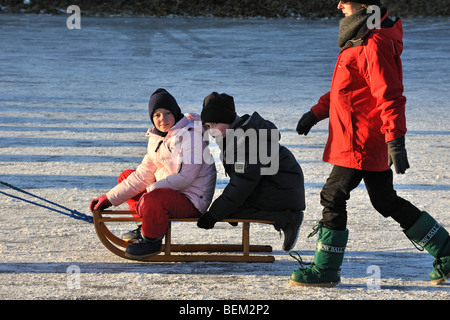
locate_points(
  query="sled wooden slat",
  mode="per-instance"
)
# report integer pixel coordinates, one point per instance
(198, 252)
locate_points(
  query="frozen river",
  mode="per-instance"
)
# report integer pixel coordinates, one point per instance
(100, 76)
(73, 114)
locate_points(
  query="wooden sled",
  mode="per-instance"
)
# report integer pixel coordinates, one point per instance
(241, 251)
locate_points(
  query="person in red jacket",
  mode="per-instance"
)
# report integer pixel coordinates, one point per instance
(367, 126)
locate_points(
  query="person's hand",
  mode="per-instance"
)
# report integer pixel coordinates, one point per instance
(306, 122)
(206, 221)
(397, 155)
(100, 203)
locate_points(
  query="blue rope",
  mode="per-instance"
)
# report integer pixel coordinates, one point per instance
(73, 213)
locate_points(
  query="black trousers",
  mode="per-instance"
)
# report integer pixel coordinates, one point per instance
(342, 181)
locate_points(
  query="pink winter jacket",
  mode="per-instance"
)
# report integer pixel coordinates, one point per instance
(179, 161)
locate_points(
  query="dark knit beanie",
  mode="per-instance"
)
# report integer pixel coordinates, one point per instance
(163, 99)
(218, 108)
(370, 2)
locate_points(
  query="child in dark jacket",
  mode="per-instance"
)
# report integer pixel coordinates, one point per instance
(266, 181)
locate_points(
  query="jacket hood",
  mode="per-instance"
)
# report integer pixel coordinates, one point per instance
(393, 32)
(257, 123)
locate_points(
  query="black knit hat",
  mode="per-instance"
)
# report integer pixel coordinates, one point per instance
(163, 99)
(218, 108)
(370, 2)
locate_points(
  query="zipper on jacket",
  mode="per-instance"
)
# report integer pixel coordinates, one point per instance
(159, 145)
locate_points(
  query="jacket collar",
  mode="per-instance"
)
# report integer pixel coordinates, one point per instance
(183, 122)
(364, 30)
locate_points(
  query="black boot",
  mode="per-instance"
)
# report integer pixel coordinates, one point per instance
(291, 231)
(132, 235)
(144, 248)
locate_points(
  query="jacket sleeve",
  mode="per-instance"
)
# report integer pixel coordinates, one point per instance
(238, 190)
(322, 108)
(178, 181)
(384, 76)
(134, 184)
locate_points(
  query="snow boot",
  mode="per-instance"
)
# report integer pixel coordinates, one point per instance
(431, 236)
(132, 235)
(291, 231)
(328, 258)
(144, 248)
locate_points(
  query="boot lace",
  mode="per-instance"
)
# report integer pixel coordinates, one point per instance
(316, 229)
(295, 255)
(418, 247)
(308, 265)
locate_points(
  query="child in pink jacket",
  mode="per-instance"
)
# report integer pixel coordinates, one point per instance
(176, 178)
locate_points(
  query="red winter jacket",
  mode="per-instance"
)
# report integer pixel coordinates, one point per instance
(365, 105)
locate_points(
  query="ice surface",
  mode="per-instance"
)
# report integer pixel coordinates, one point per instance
(73, 114)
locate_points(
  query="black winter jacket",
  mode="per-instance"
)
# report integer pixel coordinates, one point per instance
(248, 188)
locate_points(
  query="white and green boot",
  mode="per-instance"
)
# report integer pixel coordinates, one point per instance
(328, 258)
(430, 235)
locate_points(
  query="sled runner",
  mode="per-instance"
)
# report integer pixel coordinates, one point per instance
(197, 252)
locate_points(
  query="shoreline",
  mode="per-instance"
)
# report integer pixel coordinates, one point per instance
(220, 9)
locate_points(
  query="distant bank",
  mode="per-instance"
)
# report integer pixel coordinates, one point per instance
(220, 8)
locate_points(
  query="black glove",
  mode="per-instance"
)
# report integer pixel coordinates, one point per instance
(397, 155)
(206, 221)
(306, 122)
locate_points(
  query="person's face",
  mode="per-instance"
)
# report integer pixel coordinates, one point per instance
(163, 119)
(348, 8)
(217, 130)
